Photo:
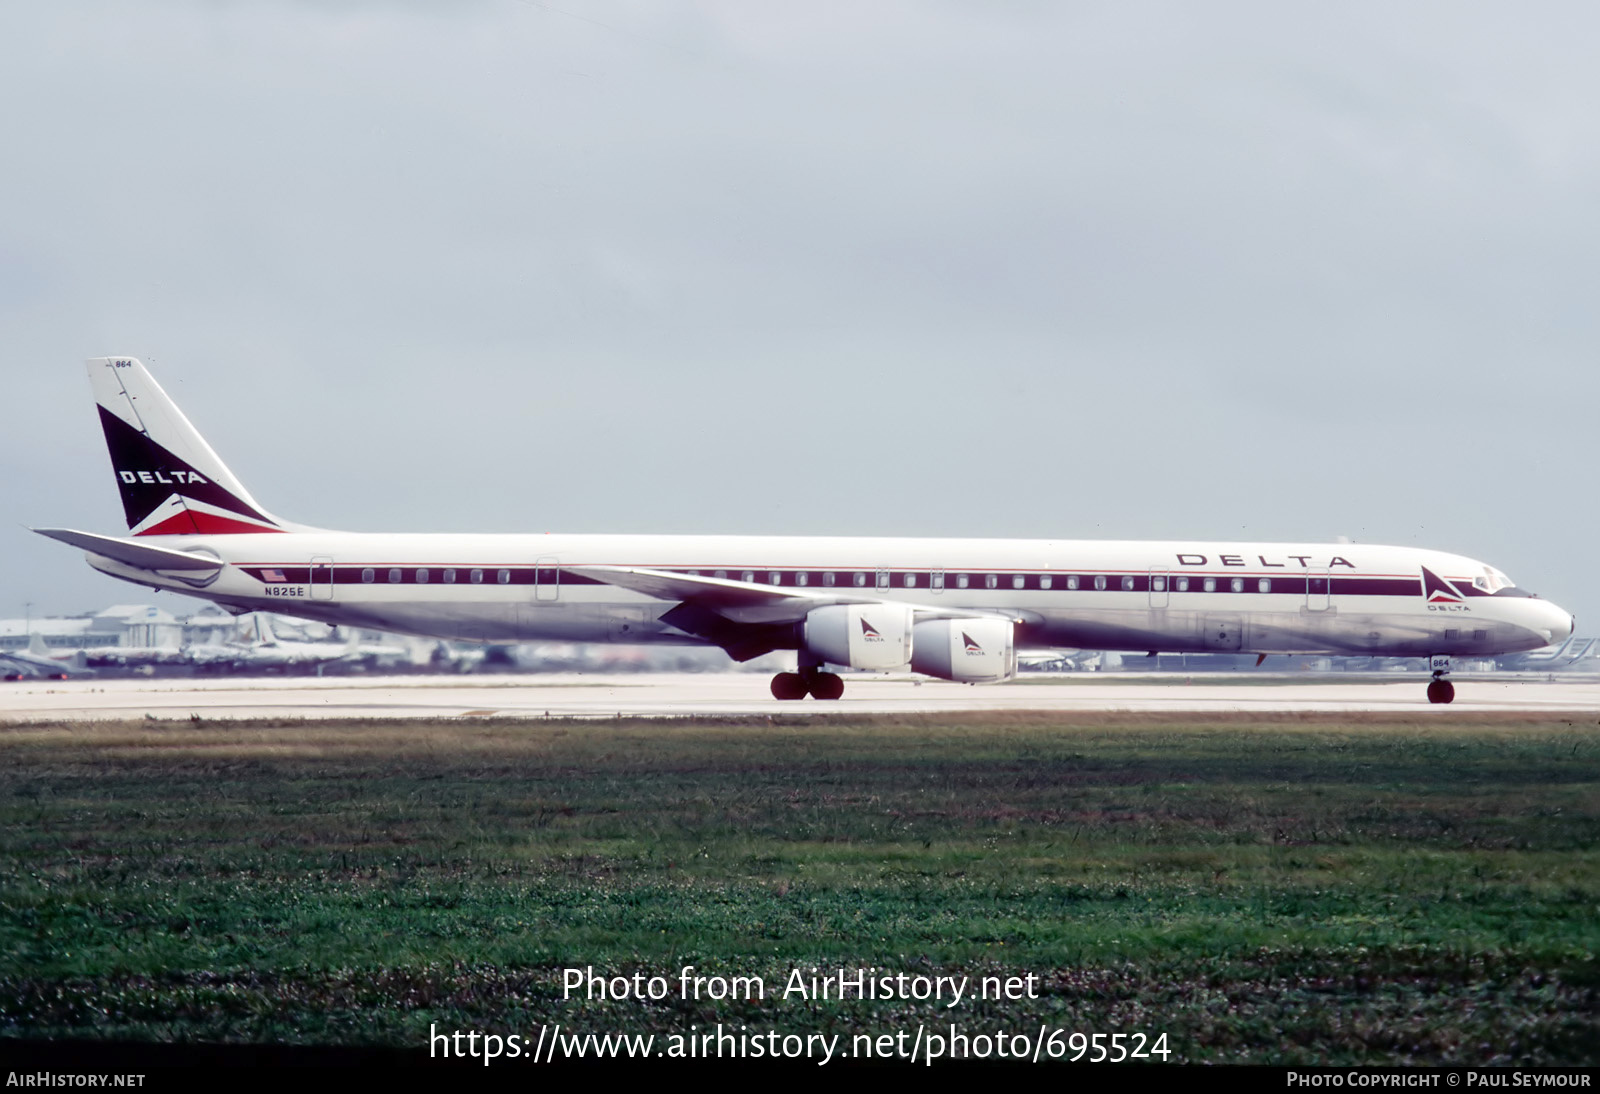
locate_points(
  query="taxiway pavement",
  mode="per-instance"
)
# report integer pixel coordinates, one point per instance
(732, 694)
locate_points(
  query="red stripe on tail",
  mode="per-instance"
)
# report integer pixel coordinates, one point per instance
(191, 523)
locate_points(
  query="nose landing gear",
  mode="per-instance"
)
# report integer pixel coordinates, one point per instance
(1440, 690)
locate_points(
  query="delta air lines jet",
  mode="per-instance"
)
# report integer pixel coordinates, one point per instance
(956, 609)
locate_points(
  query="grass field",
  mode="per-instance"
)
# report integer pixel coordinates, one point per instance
(1320, 888)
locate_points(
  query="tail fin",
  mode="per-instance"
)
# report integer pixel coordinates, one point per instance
(172, 483)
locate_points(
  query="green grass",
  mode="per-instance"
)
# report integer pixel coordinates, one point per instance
(1330, 888)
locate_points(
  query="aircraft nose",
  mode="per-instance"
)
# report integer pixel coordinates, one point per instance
(1554, 623)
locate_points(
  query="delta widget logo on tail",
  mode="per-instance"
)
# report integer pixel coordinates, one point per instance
(150, 477)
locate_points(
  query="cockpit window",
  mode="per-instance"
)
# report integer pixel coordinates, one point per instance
(1492, 581)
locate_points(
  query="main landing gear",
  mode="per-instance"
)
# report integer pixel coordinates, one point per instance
(810, 680)
(1440, 690)
(797, 685)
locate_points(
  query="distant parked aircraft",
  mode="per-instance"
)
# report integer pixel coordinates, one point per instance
(40, 661)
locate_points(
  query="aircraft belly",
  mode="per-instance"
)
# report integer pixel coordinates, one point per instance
(566, 620)
(1294, 631)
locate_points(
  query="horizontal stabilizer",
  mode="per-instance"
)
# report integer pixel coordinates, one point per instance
(139, 555)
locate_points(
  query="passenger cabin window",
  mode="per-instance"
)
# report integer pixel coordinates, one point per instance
(1045, 581)
(962, 581)
(937, 581)
(1018, 581)
(368, 575)
(911, 581)
(1237, 584)
(828, 578)
(1127, 584)
(748, 575)
(991, 581)
(394, 576)
(776, 577)
(859, 581)
(503, 577)
(422, 577)
(449, 577)
(1072, 581)
(1210, 585)
(1100, 582)
(1264, 585)
(1183, 585)
(802, 578)
(723, 574)
(476, 577)
(1158, 584)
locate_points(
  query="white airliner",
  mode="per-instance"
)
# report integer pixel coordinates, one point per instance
(957, 609)
(39, 661)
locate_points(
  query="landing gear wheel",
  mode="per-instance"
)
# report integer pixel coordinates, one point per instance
(1441, 691)
(788, 685)
(827, 685)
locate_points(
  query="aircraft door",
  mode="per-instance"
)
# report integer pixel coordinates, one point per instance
(546, 579)
(321, 578)
(1319, 591)
(1159, 581)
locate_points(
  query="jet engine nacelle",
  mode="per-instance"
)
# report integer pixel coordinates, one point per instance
(861, 636)
(972, 651)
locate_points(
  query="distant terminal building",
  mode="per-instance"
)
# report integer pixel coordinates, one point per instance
(128, 625)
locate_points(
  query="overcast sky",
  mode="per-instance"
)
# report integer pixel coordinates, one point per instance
(1279, 271)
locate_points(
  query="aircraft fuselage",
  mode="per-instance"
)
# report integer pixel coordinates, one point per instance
(1176, 596)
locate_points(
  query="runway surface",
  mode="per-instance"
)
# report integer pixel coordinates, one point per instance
(591, 696)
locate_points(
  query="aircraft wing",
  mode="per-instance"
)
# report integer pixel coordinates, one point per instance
(740, 601)
(746, 618)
